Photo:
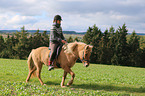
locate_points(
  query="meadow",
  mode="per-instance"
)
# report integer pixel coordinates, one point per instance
(97, 79)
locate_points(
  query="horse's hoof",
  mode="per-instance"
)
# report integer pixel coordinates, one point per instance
(63, 86)
(44, 84)
(68, 84)
(26, 81)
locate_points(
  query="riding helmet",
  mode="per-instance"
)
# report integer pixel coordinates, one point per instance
(57, 17)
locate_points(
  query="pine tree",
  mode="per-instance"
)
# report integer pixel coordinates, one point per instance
(21, 48)
(121, 48)
(93, 36)
(70, 39)
(37, 40)
(2, 44)
(45, 39)
(134, 49)
(76, 39)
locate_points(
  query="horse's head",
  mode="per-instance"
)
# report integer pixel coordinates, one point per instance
(85, 54)
(79, 50)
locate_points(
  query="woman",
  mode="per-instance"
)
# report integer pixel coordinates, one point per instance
(56, 39)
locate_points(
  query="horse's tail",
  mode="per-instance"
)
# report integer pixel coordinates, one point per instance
(31, 64)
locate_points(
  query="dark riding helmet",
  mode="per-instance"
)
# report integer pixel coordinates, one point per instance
(57, 17)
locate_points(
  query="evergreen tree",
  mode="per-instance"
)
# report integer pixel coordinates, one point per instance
(45, 39)
(7, 50)
(37, 40)
(93, 37)
(121, 49)
(142, 62)
(21, 48)
(76, 39)
(70, 39)
(104, 56)
(134, 49)
(2, 44)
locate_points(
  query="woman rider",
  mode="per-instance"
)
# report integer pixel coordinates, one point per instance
(56, 39)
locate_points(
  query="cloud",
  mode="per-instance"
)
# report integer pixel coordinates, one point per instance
(17, 19)
(77, 15)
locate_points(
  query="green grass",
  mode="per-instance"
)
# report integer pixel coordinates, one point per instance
(106, 80)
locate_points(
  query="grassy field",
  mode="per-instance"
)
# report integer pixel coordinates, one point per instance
(105, 80)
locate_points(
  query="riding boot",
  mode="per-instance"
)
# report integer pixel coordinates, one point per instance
(51, 67)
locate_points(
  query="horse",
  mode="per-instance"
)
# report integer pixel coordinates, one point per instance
(67, 58)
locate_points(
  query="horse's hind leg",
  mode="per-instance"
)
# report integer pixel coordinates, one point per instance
(38, 71)
(63, 79)
(30, 73)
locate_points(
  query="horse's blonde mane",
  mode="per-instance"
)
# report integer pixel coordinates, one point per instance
(70, 46)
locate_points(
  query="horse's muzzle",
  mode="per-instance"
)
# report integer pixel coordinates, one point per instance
(86, 64)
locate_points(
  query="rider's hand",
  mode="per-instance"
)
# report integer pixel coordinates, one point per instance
(63, 41)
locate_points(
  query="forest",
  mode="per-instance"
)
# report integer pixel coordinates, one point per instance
(112, 46)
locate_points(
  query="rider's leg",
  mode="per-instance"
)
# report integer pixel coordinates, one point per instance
(53, 47)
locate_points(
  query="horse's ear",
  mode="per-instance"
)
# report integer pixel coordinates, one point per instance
(88, 47)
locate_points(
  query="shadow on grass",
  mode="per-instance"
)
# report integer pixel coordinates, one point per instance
(109, 88)
(52, 83)
(102, 87)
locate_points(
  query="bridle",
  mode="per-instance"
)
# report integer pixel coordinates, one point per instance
(83, 57)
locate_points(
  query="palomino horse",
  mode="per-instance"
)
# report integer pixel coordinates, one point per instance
(67, 58)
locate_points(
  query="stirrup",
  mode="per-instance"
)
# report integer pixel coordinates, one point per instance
(50, 68)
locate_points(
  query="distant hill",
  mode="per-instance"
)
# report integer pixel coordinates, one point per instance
(65, 32)
(137, 33)
(33, 31)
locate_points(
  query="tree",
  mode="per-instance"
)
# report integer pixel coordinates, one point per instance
(2, 44)
(76, 39)
(45, 39)
(93, 37)
(70, 39)
(21, 48)
(121, 48)
(134, 49)
(104, 49)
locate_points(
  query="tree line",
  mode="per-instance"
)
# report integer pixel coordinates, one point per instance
(109, 47)
(20, 44)
(113, 47)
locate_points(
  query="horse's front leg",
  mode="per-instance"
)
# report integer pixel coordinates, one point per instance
(72, 77)
(63, 79)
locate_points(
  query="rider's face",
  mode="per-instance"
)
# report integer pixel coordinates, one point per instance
(58, 21)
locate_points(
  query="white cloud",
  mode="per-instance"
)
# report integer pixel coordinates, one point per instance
(132, 2)
(77, 15)
(18, 19)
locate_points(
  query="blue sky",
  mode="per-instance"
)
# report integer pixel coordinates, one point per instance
(77, 15)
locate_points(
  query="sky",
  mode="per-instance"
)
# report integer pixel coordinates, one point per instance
(77, 15)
